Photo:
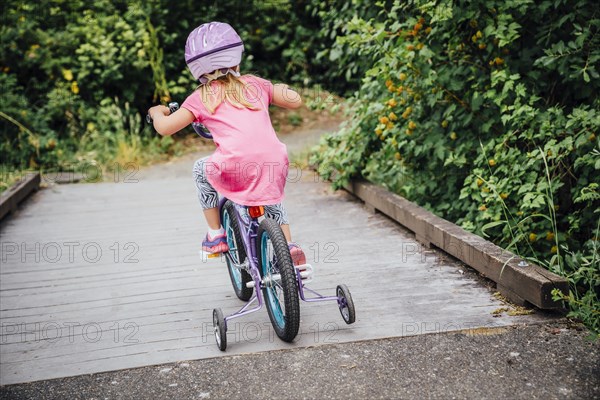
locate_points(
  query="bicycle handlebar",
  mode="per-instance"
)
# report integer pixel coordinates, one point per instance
(173, 106)
(200, 129)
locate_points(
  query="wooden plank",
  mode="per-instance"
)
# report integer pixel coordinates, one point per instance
(532, 284)
(14, 195)
(399, 287)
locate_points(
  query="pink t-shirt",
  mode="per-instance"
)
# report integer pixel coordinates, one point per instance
(250, 164)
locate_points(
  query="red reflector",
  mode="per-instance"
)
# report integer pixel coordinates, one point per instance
(256, 211)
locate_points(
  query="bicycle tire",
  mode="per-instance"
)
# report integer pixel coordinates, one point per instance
(220, 329)
(345, 304)
(285, 322)
(239, 277)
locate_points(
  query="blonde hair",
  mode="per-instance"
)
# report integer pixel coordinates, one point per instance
(229, 88)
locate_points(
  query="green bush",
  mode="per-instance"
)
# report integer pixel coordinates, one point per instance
(67, 65)
(487, 113)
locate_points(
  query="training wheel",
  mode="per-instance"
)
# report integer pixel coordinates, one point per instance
(220, 329)
(345, 303)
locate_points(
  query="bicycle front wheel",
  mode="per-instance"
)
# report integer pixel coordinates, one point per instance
(280, 288)
(239, 276)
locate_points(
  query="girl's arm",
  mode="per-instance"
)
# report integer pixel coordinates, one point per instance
(166, 123)
(285, 97)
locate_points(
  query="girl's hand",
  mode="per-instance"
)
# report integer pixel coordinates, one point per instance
(176, 121)
(158, 110)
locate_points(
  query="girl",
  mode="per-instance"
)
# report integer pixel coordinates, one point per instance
(249, 165)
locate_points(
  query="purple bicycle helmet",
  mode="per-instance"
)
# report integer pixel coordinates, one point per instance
(212, 46)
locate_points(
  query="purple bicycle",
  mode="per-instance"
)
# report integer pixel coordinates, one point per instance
(259, 258)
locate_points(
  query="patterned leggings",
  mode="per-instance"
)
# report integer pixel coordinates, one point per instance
(209, 198)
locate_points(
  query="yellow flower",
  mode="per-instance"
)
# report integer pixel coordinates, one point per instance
(402, 76)
(411, 125)
(392, 102)
(550, 236)
(592, 137)
(384, 120)
(378, 131)
(554, 249)
(479, 181)
(389, 125)
(67, 74)
(419, 46)
(397, 156)
(492, 162)
(74, 87)
(503, 196)
(482, 46)
(479, 35)
(453, 136)
(444, 124)
(532, 237)
(393, 116)
(482, 207)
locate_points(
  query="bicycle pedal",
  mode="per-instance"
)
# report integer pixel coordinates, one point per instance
(209, 256)
(306, 272)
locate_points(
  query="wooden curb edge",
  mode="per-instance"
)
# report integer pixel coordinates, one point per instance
(530, 284)
(10, 198)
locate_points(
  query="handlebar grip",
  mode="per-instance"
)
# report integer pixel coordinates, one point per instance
(173, 106)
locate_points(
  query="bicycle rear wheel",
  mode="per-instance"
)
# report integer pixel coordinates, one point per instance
(239, 276)
(280, 289)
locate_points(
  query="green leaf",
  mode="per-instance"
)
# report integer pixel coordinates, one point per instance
(490, 225)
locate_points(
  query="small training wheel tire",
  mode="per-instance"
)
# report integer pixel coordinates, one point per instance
(345, 304)
(220, 329)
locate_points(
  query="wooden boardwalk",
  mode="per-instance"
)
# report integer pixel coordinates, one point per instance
(99, 277)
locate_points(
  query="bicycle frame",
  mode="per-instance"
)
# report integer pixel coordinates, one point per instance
(249, 232)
